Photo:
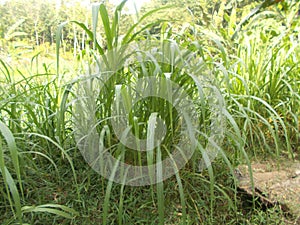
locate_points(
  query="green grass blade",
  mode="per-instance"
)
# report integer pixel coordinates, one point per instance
(6, 71)
(95, 13)
(115, 23)
(90, 34)
(106, 25)
(160, 187)
(61, 114)
(3, 171)
(127, 38)
(108, 192)
(15, 194)
(58, 43)
(56, 209)
(208, 164)
(151, 144)
(11, 143)
(180, 189)
(121, 203)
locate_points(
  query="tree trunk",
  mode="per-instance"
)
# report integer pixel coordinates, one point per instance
(36, 32)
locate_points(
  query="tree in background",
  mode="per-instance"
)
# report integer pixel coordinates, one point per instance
(35, 22)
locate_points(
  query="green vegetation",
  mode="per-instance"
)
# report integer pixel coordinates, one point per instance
(248, 53)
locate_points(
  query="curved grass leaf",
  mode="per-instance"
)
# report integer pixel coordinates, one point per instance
(59, 210)
(11, 143)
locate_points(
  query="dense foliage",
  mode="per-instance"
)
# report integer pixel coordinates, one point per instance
(250, 52)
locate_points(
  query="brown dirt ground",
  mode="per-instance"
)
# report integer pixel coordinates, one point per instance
(277, 183)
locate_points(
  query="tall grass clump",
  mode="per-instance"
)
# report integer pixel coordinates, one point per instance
(250, 70)
(113, 83)
(28, 108)
(257, 69)
(265, 82)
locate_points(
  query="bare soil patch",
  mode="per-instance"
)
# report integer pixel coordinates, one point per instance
(274, 184)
